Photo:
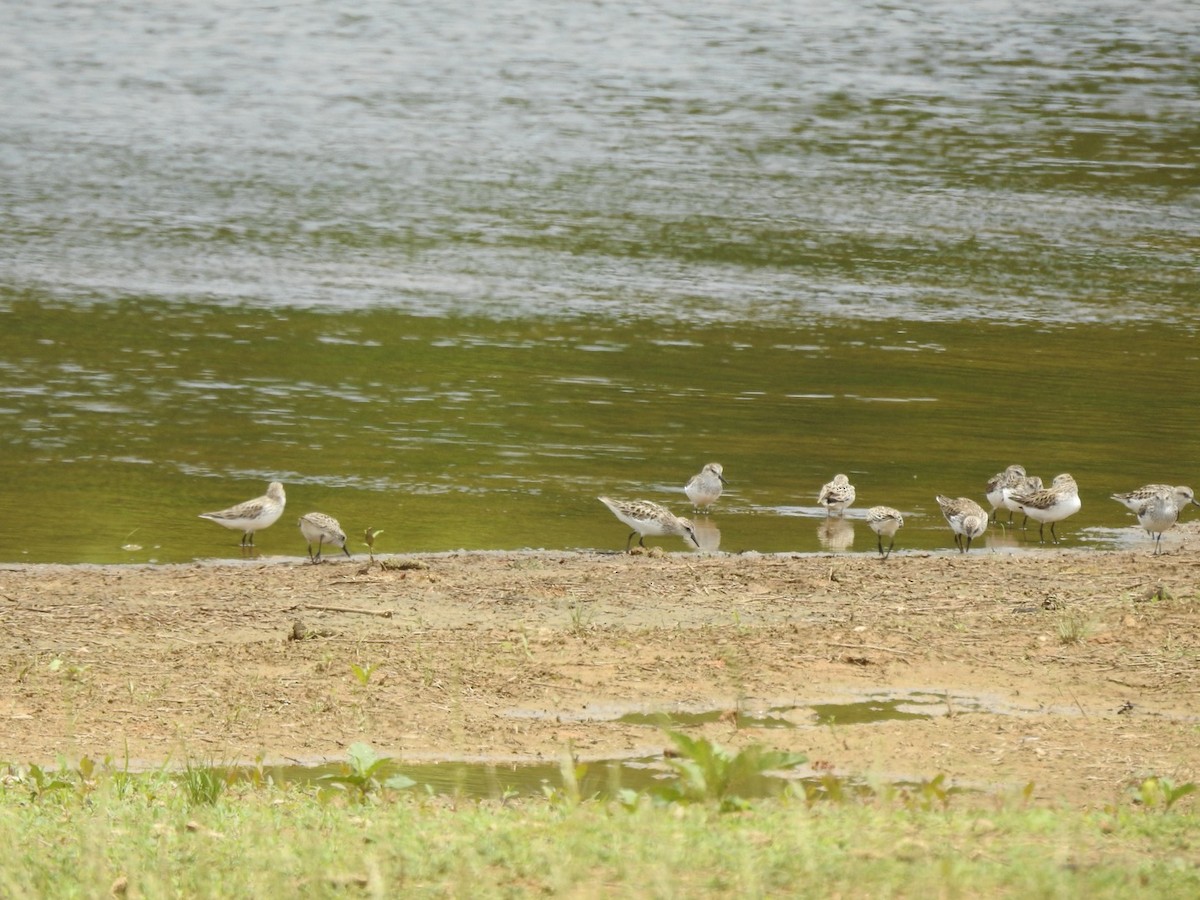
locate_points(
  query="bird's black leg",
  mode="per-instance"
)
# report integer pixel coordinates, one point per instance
(628, 539)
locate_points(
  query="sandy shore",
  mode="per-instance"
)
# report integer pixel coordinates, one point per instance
(1075, 670)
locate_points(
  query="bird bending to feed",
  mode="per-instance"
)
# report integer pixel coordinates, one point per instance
(1135, 500)
(885, 521)
(649, 520)
(322, 529)
(1158, 514)
(253, 515)
(1052, 504)
(967, 520)
(705, 486)
(836, 495)
(1009, 478)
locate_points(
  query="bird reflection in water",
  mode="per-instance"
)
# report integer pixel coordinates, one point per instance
(708, 535)
(836, 533)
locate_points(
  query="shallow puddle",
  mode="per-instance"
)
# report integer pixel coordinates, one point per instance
(871, 709)
(603, 779)
(648, 773)
(479, 780)
(495, 781)
(892, 709)
(693, 719)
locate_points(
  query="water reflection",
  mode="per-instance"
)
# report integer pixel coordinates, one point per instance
(1003, 539)
(708, 535)
(578, 272)
(836, 533)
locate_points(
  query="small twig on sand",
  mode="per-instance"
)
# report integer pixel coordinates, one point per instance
(384, 613)
(868, 647)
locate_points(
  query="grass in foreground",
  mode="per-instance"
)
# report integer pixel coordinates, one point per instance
(93, 832)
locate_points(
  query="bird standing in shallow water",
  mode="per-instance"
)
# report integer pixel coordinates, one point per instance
(321, 529)
(967, 520)
(705, 486)
(885, 521)
(1052, 504)
(1009, 478)
(1030, 484)
(649, 520)
(836, 495)
(253, 515)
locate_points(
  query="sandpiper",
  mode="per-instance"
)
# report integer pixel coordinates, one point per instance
(1135, 500)
(1028, 485)
(1009, 478)
(321, 529)
(1156, 515)
(705, 486)
(253, 515)
(649, 520)
(836, 495)
(967, 520)
(1052, 504)
(885, 521)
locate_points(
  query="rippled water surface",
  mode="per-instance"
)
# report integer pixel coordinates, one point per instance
(453, 271)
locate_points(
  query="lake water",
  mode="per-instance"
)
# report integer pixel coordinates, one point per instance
(453, 271)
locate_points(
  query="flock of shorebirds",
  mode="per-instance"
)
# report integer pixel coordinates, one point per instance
(1157, 507)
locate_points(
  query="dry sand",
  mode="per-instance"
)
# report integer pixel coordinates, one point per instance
(1074, 670)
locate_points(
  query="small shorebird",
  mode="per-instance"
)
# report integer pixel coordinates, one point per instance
(967, 520)
(321, 529)
(1052, 504)
(1156, 515)
(1009, 478)
(1135, 500)
(884, 520)
(649, 520)
(1028, 485)
(253, 515)
(704, 487)
(836, 495)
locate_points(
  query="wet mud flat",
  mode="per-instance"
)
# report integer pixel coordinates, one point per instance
(1077, 671)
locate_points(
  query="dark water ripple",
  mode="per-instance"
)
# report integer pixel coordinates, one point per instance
(458, 269)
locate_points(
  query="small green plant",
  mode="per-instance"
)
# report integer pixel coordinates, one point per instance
(1073, 627)
(362, 673)
(366, 773)
(1157, 791)
(203, 784)
(70, 671)
(581, 618)
(933, 793)
(708, 773)
(40, 782)
(572, 771)
(829, 788)
(369, 536)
